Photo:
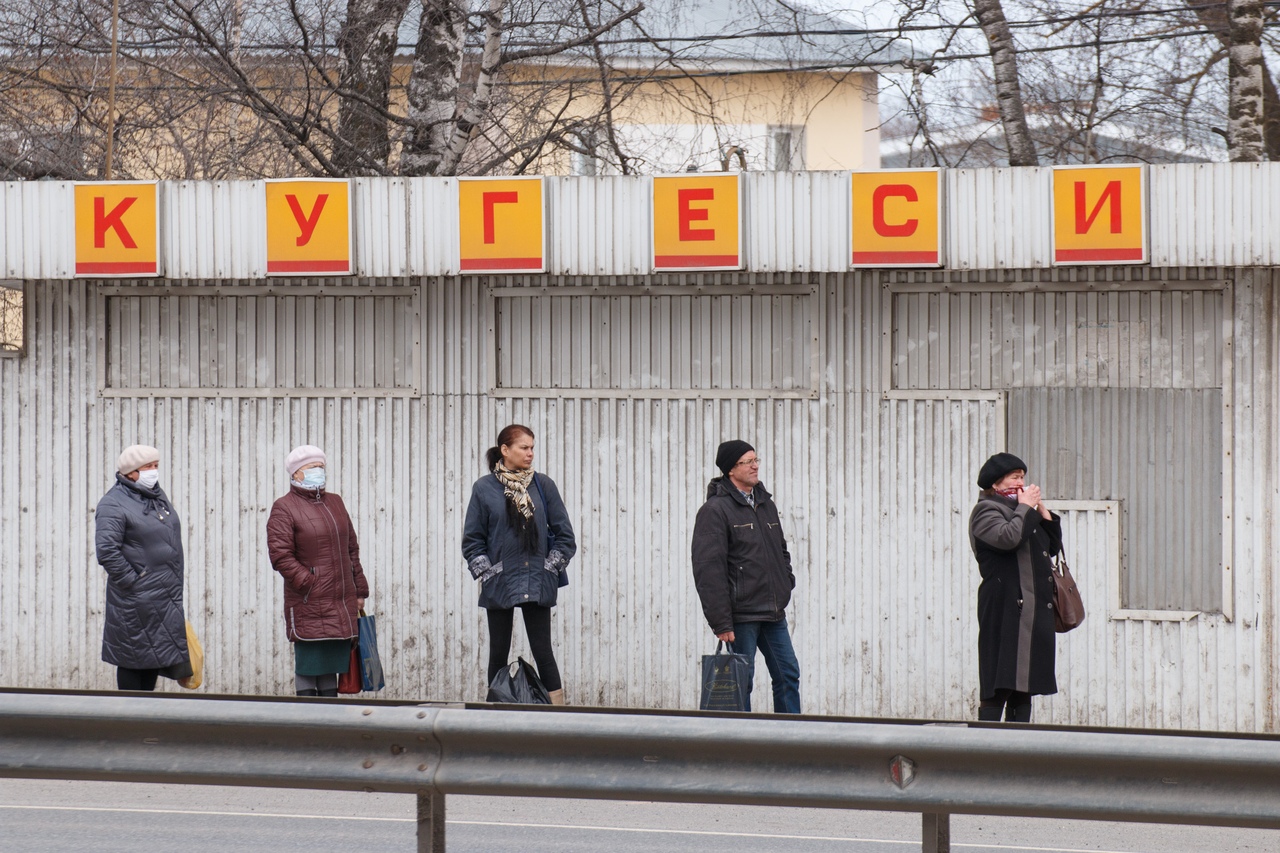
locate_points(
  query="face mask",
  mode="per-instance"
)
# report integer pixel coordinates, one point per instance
(313, 478)
(148, 479)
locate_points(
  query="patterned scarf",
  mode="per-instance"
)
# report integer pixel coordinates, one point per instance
(515, 485)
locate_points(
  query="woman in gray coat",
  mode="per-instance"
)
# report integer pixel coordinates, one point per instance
(517, 542)
(139, 543)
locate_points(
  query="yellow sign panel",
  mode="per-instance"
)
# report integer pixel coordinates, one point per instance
(117, 229)
(501, 225)
(897, 218)
(308, 227)
(1099, 214)
(697, 222)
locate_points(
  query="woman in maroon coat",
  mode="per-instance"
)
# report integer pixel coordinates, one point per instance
(313, 546)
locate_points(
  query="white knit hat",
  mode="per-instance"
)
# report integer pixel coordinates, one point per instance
(135, 456)
(303, 455)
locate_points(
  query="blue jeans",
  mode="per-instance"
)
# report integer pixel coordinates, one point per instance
(784, 670)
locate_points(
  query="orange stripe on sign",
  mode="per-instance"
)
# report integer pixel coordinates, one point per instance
(114, 267)
(501, 264)
(682, 261)
(895, 258)
(1097, 255)
(308, 266)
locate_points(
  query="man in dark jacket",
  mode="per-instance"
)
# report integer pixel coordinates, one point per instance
(742, 569)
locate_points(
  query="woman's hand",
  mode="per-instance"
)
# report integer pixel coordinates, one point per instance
(1030, 495)
(359, 603)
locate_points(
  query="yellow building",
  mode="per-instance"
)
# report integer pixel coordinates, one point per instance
(698, 85)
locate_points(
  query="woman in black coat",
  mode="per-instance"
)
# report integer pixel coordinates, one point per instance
(139, 544)
(1014, 539)
(517, 541)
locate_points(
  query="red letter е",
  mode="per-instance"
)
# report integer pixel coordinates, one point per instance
(687, 214)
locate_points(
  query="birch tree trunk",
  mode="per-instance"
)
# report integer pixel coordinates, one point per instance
(433, 85)
(367, 45)
(1004, 59)
(473, 113)
(1245, 142)
(1215, 20)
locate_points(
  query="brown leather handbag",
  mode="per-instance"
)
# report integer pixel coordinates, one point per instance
(1068, 606)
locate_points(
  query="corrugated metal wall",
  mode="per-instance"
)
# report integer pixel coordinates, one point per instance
(657, 339)
(1166, 477)
(1200, 215)
(874, 487)
(235, 340)
(989, 337)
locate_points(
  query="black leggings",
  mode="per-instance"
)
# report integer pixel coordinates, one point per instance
(136, 679)
(537, 627)
(1016, 707)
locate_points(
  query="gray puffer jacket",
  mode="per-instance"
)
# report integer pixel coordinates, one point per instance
(139, 543)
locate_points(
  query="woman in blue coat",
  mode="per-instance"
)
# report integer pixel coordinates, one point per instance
(139, 544)
(517, 541)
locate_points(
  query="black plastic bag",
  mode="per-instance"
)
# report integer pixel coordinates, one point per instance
(518, 683)
(726, 681)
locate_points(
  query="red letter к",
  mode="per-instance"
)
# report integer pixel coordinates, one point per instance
(113, 220)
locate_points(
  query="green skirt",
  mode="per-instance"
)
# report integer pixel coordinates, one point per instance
(321, 657)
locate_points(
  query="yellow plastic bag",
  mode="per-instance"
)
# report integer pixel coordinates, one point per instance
(197, 661)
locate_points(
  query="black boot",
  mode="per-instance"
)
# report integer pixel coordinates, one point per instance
(329, 692)
(310, 691)
(989, 714)
(1019, 713)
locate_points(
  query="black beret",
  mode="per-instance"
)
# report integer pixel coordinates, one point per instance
(729, 452)
(996, 467)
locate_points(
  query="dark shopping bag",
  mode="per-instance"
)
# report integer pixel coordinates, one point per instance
(726, 681)
(370, 663)
(350, 681)
(518, 683)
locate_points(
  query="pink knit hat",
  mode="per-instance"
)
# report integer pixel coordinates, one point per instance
(303, 455)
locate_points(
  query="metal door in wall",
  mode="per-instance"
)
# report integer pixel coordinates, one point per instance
(1158, 452)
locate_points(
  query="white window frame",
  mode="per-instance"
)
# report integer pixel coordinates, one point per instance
(20, 286)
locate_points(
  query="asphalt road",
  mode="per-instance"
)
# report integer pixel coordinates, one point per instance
(70, 817)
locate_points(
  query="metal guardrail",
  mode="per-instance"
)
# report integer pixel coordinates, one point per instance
(435, 750)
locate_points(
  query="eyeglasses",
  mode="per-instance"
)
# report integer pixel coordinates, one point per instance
(753, 462)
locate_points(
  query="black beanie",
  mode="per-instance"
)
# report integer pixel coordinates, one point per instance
(996, 467)
(729, 452)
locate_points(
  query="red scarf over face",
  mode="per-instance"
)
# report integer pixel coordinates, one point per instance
(1009, 493)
